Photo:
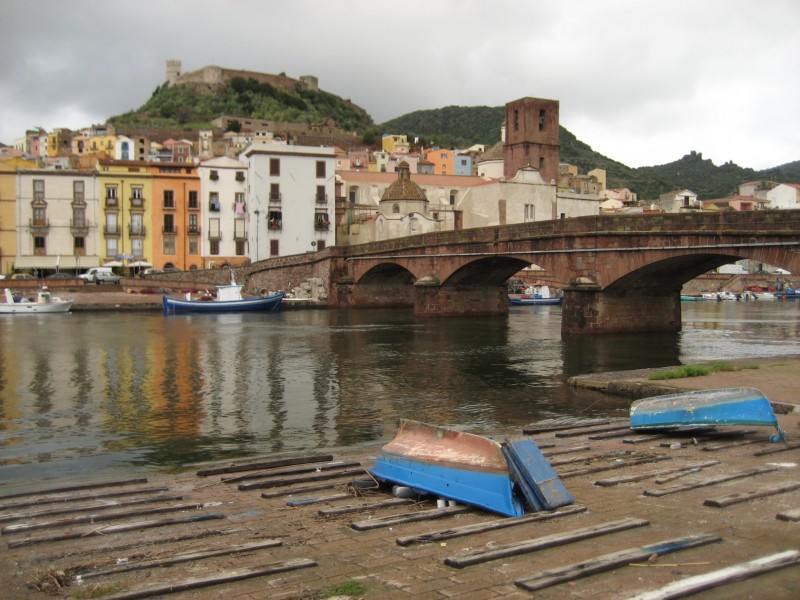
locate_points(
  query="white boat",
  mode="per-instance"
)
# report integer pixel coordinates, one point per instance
(721, 296)
(44, 302)
(229, 299)
(539, 294)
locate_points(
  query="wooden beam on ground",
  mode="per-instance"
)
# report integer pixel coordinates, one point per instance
(271, 464)
(58, 499)
(446, 534)
(572, 450)
(423, 515)
(318, 467)
(98, 518)
(327, 485)
(611, 481)
(548, 541)
(279, 481)
(611, 561)
(763, 492)
(111, 529)
(710, 481)
(643, 439)
(613, 466)
(318, 499)
(789, 515)
(175, 559)
(778, 448)
(717, 447)
(610, 435)
(592, 430)
(216, 579)
(354, 508)
(707, 581)
(107, 505)
(75, 488)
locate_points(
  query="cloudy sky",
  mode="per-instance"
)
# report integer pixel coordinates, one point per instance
(642, 82)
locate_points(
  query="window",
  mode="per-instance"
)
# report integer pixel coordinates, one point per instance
(239, 175)
(213, 229)
(137, 246)
(320, 169)
(274, 192)
(169, 199)
(239, 206)
(39, 242)
(214, 175)
(516, 120)
(193, 201)
(396, 209)
(39, 216)
(169, 223)
(530, 212)
(322, 198)
(320, 244)
(137, 224)
(541, 119)
(275, 167)
(452, 197)
(77, 189)
(239, 229)
(111, 194)
(38, 189)
(136, 196)
(193, 246)
(240, 248)
(79, 245)
(213, 248)
(111, 247)
(274, 247)
(275, 219)
(213, 201)
(111, 225)
(541, 163)
(78, 216)
(169, 244)
(193, 227)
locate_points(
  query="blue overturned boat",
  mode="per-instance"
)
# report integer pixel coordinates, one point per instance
(705, 408)
(453, 464)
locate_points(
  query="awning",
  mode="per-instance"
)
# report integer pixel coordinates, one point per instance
(56, 262)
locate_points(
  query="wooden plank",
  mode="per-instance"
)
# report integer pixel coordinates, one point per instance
(271, 464)
(611, 561)
(613, 466)
(339, 464)
(318, 499)
(107, 505)
(327, 485)
(446, 534)
(643, 439)
(75, 488)
(548, 541)
(279, 481)
(219, 578)
(82, 497)
(789, 515)
(710, 481)
(354, 508)
(716, 447)
(176, 559)
(423, 515)
(592, 430)
(572, 450)
(692, 585)
(777, 448)
(611, 481)
(98, 518)
(123, 528)
(549, 425)
(762, 492)
(609, 436)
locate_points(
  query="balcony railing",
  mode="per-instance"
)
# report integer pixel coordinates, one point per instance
(275, 198)
(214, 235)
(169, 230)
(137, 202)
(39, 226)
(322, 225)
(137, 230)
(78, 226)
(275, 224)
(321, 198)
(111, 229)
(193, 230)
(112, 202)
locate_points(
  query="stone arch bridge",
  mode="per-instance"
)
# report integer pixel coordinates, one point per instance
(621, 273)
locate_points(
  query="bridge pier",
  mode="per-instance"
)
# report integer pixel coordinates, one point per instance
(434, 300)
(588, 311)
(346, 294)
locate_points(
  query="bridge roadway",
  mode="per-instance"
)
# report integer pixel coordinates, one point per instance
(620, 273)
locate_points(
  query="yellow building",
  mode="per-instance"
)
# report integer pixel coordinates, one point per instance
(126, 202)
(59, 142)
(395, 144)
(8, 210)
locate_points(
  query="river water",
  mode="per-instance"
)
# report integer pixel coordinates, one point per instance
(116, 393)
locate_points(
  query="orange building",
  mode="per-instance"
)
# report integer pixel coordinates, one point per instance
(443, 161)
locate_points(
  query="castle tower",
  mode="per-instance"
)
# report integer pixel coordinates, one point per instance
(532, 137)
(310, 82)
(173, 71)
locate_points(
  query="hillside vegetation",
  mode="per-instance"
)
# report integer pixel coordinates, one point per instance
(450, 127)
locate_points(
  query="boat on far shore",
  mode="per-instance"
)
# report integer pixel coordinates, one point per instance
(228, 299)
(44, 302)
(536, 295)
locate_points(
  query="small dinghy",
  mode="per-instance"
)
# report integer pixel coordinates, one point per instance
(452, 464)
(705, 408)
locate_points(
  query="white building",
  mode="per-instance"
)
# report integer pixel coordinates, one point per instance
(679, 201)
(57, 220)
(224, 214)
(291, 196)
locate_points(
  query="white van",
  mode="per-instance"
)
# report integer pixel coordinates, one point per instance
(100, 275)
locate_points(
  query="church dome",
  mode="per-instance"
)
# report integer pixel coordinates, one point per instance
(403, 188)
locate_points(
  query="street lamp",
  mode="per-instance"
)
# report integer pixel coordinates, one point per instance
(257, 213)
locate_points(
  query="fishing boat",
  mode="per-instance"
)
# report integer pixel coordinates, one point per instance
(228, 299)
(44, 302)
(535, 295)
(452, 464)
(704, 408)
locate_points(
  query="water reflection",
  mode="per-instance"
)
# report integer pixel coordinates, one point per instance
(93, 392)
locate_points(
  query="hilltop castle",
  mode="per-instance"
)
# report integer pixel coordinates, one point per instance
(211, 77)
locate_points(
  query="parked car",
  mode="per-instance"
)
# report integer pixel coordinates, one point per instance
(151, 272)
(100, 275)
(22, 276)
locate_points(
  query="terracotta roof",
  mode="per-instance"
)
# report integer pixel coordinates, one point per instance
(403, 188)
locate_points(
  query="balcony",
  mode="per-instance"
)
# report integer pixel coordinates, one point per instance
(137, 230)
(193, 230)
(239, 235)
(137, 203)
(275, 198)
(275, 224)
(111, 230)
(214, 235)
(321, 225)
(39, 226)
(169, 230)
(321, 198)
(79, 226)
(111, 202)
